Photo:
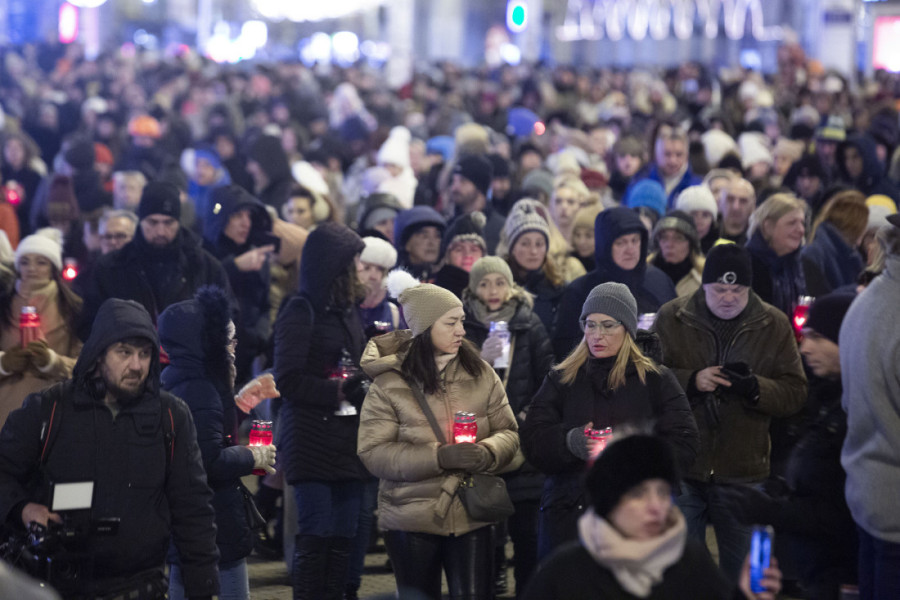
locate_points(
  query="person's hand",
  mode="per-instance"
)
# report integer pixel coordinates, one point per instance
(253, 260)
(771, 581)
(263, 457)
(255, 391)
(41, 353)
(464, 456)
(15, 360)
(355, 388)
(578, 442)
(492, 349)
(708, 379)
(743, 382)
(748, 505)
(38, 513)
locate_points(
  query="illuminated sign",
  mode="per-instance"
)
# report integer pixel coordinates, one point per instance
(612, 19)
(886, 44)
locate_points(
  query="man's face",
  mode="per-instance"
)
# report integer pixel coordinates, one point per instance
(424, 246)
(370, 275)
(671, 156)
(853, 162)
(464, 193)
(626, 251)
(206, 172)
(127, 193)
(115, 233)
(159, 230)
(238, 227)
(808, 186)
(500, 187)
(563, 206)
(737, 203)
(826, 150)
(821, 354)
(726, 301)
(124, 368)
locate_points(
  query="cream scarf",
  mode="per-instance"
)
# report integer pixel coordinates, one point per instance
(637, 565)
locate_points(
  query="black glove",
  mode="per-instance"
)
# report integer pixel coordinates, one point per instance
(749, 505)
(465, 456)
(743, 382)
(355, 388)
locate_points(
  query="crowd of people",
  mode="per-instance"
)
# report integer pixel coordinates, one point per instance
(663, 257)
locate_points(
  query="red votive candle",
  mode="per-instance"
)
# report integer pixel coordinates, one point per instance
(465, 429)
(260, 435)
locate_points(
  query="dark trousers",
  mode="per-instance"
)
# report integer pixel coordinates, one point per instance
(523, 530)
(368, 501)
(879, 568)
(467, 560)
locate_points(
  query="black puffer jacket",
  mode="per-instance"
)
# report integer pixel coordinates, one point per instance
(124, 456)
(651, 287)
(193, 334)
(532, 358)
(546, 296)
(558, 408)
(310, 335)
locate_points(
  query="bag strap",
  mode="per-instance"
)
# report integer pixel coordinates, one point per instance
(420, 398)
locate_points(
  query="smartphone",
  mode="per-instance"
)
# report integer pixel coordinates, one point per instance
(760, 555)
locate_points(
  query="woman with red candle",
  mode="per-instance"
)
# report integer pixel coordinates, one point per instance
(426, 527)
(606, 381)
(54, 348)
(198, 336)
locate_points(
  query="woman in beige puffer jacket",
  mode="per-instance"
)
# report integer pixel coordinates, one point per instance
(426, 526)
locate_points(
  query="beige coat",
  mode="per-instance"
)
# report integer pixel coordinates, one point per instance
(398, 446)
(60, 336)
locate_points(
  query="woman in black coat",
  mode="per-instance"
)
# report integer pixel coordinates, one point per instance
(199, 338)
(606, 382)
(493, 296)
(318, 342)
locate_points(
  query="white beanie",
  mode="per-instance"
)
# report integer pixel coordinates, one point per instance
(716, 144)
(754, 149)
(697, 197)
(306, 175)
(395, 149)
(46, 242)
(378, 252)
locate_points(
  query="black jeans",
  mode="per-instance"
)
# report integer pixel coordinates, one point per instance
(467, 560)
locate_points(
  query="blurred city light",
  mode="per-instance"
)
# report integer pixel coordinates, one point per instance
(68, 23)
(299, 11)
(510, 54)
(516, 16)
(345, 47)
(87, 3)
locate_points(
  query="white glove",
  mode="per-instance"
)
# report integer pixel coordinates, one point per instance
(263, 457)
(255, 392)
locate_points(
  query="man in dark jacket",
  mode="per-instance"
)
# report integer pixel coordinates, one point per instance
(238, 233)
(736, 358)
(472, 178)
(163, 264)
(858, 165)
(111, 426)
(620, 241)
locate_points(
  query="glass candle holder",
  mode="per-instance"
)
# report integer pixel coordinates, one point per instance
(260, 435)
(465, 429)
(29, 325)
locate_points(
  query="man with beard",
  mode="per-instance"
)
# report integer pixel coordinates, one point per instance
(472, 178)
(162, 265)
(111, 428)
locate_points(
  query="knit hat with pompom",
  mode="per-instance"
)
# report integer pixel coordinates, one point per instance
(422, 303)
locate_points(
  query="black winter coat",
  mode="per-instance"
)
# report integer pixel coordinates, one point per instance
(310, 335)
(778, 280)
(532, 358)
(573, 574)
(651, 287)
(558, 408)
(153, 277)
(125, 457)
(198, 374)
(546, 297)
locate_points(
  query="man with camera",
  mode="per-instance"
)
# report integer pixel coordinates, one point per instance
(737, 360)
(104, 468)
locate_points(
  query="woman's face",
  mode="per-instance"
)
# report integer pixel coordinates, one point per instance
(297, 211)
(703, 220)
(642, 512)
(563, 206)
(493, 290)
(603, 335)
(447, 333)
(786, 234)
(464, 254)
(14, 153)
(530, 250)
(583, 241)
(674, 246)
(35, 269)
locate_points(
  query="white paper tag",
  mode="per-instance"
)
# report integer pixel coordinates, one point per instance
(72, 496)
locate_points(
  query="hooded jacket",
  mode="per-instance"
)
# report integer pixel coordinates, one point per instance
(651, 287)
(125, 456)
(153, 277)
(194, 335)
(407, 223)
(311, 335)
(829, 262)
(269, 155)
(778, 280)
(398, 446)
(872, 181)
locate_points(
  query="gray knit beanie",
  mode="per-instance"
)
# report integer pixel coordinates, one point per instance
(486, 265)
(615, 300)
(524, 217)
(423, 303)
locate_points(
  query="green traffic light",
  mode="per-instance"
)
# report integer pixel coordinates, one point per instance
(518, 15)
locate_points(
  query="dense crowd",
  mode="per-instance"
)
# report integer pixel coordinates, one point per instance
(581, 249)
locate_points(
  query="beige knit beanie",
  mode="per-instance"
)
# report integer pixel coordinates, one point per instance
(486, 265)
(423, 303)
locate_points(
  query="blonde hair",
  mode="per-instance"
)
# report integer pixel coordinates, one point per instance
(575, 184)
(628, 353)
(773, 209)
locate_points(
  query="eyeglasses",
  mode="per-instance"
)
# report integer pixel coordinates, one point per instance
(602, 328)
(114, 237)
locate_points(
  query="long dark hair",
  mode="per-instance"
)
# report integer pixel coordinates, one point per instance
(69, 302)
(347, 289)
(419, 363)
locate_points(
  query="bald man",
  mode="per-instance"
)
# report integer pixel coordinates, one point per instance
(736, 203)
